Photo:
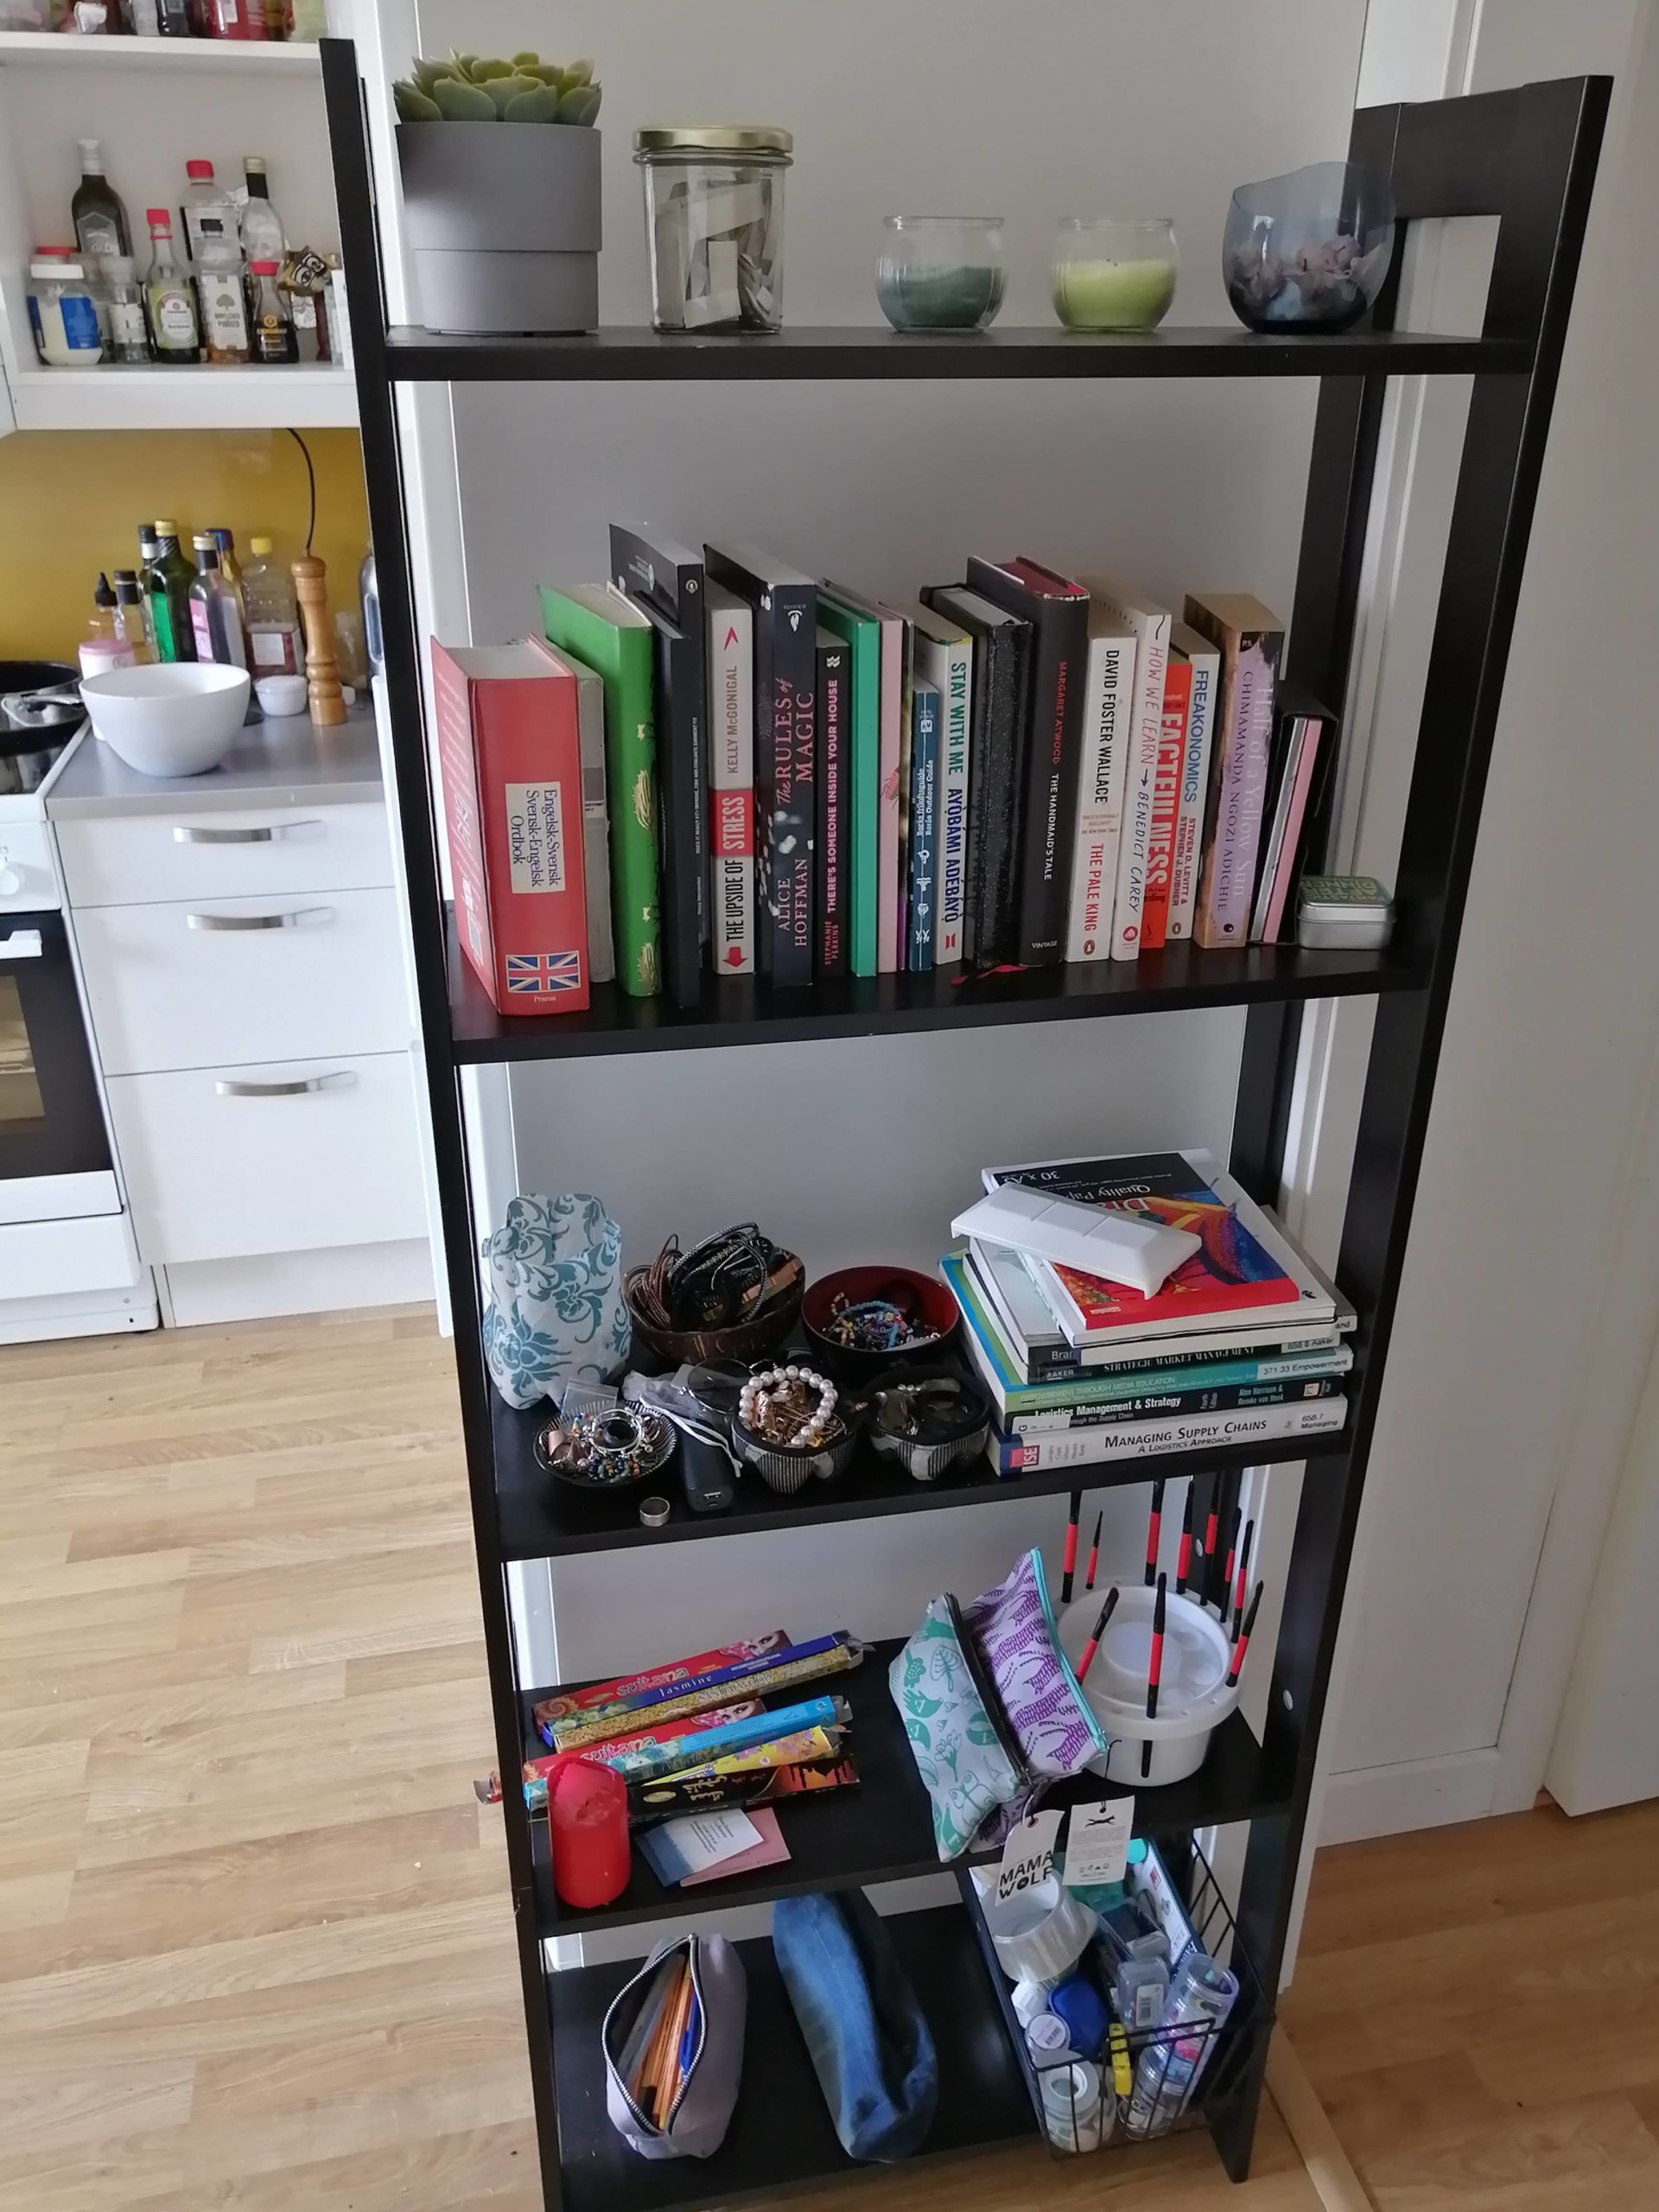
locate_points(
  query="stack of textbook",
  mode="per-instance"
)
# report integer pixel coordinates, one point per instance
(1242, 1343)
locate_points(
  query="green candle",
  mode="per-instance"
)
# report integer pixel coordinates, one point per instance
(1112, 295)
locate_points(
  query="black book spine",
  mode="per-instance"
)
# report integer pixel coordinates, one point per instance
(787, 825)
(680, 815)
(1053, 744)
(834, 825)
(1003, 814)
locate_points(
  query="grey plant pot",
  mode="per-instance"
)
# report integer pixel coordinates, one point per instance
(503, 220)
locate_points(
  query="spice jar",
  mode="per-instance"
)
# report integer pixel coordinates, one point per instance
(714, 221)
(63, 316)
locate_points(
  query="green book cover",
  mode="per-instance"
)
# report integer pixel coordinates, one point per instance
(621, 645)
(864, 634)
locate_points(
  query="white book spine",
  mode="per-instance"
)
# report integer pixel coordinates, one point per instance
(1108, 706)
(1205, 662)
(731, 780)
(1151, 664)
(949, 668)
(1179, 1432)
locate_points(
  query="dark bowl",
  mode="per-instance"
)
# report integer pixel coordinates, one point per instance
(745, 1341)
(933, 1305)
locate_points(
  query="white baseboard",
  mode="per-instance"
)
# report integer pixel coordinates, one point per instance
(327, 1280)
(1421, 1794)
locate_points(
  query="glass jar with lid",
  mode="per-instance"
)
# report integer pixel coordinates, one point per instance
(714, 223)
(63, 314)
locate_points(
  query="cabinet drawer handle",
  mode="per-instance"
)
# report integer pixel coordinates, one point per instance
(301, 918)
(228, 1088)
(190, 833)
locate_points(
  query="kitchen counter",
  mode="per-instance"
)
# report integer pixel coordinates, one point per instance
(282, 762)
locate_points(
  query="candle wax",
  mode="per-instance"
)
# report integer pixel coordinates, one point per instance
(1112, 295)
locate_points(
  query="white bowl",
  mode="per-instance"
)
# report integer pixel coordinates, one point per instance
(178, 718)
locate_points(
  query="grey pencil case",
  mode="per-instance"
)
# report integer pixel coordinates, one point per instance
(695, 2124)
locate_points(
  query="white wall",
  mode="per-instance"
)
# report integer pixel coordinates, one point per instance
(863, 1151)
(1547, 1050)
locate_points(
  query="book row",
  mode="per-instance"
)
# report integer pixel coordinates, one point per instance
(714, 762)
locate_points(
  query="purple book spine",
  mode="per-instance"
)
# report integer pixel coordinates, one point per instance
(1239, 799)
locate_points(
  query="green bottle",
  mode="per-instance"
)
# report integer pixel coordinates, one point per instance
(168, 580)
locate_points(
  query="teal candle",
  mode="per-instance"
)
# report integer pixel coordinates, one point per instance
(1112, 295)
(939, 298)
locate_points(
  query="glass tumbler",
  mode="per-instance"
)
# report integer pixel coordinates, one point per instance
(942, 272)
(714, 221)
(1114, 275)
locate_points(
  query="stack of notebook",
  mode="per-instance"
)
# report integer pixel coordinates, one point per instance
(1241, 1344)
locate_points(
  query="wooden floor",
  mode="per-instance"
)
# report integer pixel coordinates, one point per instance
(253, 1947)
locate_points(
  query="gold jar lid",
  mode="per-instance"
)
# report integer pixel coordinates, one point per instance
(714, 138)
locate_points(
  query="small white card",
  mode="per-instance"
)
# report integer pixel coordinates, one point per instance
(1097, 1843)
(1028, 1855)
(705, 1839)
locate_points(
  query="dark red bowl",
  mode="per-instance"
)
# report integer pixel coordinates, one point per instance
(933, 1304)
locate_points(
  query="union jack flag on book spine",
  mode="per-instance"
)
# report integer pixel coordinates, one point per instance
(510, 745)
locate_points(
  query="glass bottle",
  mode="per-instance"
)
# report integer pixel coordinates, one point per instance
(124, 298)
(272, 613)
(222, 293)
(100, 219)
(205, 196)
(236, 18)
(215, 619)
(173, 18)
(263, 236)
(167, 581)
(173, 330)
(148, 547)
(132, 617)
(273, 326)
(230, 569)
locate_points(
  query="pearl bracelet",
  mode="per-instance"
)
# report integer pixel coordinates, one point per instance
(755, 1402)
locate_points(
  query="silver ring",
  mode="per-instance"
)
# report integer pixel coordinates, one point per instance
(654, 1512)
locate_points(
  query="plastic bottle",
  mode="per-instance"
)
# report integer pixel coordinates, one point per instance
(167, 581)
(132, 618)
(273, 326)
(62, 315)
(103, 647)
(204, 195)
(272, 613)
(173, 330)
(221, 290)
(263, 236)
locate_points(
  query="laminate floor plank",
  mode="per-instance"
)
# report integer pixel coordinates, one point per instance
(256, 1948)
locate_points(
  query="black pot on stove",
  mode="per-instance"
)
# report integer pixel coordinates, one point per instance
(34, 726)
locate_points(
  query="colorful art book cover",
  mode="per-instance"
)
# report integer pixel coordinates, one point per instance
(1230, 1271)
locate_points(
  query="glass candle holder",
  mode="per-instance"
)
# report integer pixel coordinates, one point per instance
(942, 272)
(1112, 275)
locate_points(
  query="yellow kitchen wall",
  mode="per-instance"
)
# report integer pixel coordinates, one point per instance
(72, 501)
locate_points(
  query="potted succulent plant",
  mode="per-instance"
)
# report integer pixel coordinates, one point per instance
(501, 192)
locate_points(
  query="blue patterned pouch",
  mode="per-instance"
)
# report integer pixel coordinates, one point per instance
(968, 1764)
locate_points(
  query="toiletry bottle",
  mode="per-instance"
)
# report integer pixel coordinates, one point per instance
(103, 647)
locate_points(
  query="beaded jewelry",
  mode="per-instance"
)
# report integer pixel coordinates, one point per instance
(876, 1324)
(778, 1406)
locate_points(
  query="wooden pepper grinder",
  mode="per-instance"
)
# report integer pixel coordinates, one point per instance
(321, 669)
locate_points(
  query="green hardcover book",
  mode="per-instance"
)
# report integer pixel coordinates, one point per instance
(599, 628)
(863, 633)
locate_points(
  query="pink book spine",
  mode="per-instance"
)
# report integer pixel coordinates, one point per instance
(888, 922)
(1281, 881)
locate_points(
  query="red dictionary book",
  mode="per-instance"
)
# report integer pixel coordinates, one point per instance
(1165, 803)
(510, 745)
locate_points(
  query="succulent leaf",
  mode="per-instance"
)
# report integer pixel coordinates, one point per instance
(425, 74)
(486, 72)
(504, 90)
(540, 105)
(578, 73)
(463, 103)
(580, 105)
(526, 59)
(413, 104)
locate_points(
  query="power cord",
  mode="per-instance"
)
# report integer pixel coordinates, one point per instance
(311, 486)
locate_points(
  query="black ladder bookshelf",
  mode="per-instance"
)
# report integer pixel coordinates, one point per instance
(1527, 156)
